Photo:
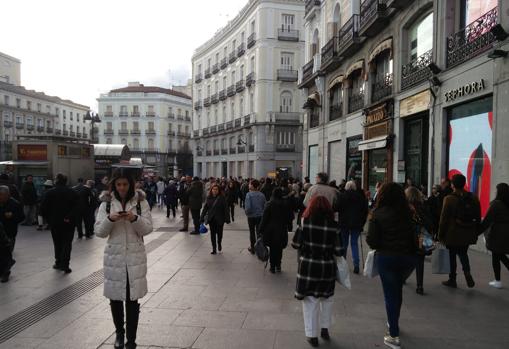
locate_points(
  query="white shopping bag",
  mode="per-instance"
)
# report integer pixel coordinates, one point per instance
(370, 267)
(440, 263)
(343, 273)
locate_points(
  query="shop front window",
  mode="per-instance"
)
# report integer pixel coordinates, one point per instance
(377, 168)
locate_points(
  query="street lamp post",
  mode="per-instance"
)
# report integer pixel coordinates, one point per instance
(94, 119)
(243, 142)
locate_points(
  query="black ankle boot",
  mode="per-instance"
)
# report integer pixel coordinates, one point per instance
(117, 311)
(133, 314)
(469, 279)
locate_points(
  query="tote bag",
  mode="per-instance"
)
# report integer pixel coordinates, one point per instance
(370, 267)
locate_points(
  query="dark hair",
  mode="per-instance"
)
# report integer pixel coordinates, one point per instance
(277, 193)
(324, 177)
(4, 176)
(118, 174)
(503, 193)
(459, 181)
(393, 195)
(319, 208)
(28, 175)
(80, 180)
(60, 179)
(255, 183)
(215, 185)
(268, 180)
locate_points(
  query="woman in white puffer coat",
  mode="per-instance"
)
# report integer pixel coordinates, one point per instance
(124, 218)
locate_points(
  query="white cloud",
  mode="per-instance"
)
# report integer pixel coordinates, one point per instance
(78, 49)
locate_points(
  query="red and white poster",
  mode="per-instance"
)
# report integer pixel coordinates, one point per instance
(470, 143)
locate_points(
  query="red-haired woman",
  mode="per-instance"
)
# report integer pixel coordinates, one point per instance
(318, 243)
(215, 213)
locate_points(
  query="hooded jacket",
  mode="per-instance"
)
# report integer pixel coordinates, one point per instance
(125, 250)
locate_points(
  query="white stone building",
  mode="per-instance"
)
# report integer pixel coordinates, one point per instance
(247, 118)
(154, 122)
(31, 114)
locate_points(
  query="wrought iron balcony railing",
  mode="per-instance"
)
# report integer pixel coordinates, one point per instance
(287, 34)
(373, 16)
(335, 111)
(250, 79)
(241, 50)
(224, 63)
(233, 57)
(287, 75)
(237, 122)
(382, 88)
(222, 95)
(416, 71)
(215, 68)
(314, 120)
(208, 73)
(251, 40)
(198, 78)
(310, 5)
(214, 99)
(355, 101)
(348, 36)
(239, 86)
(231, 91)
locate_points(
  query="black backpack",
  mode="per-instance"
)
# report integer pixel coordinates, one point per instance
(467, 212)
(138, 208)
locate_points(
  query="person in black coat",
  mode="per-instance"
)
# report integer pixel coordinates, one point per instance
(170, 195)
(215, 213)
(11, 214)
(353, 212)
(29, 199)
(59, 208)
(85, 202)
(231, 199)
(274, 228)
(5, 255)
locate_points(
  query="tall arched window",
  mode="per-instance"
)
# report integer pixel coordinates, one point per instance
(286, 102)
(315, 43)
(420, 36)
(336, 21)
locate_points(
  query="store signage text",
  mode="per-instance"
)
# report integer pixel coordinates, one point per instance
(34, 152)
(468, 89)
(376, 115)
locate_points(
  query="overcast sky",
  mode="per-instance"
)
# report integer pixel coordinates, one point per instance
(77, 49)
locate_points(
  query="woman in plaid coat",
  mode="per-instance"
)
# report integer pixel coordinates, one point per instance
(318, 243)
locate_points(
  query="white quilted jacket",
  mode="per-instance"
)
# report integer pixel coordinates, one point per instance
(125, 249)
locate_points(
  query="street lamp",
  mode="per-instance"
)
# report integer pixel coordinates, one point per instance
(240, 142)
(93, 118)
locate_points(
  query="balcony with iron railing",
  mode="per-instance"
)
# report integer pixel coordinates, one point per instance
(108, 132)
(180, 117)
(49, 129)
(78, 134)
(123, 114)
(249, 119)
(198, 78)
(215, 68)
(251, 148)
(123, 132)
(7, 123)
(232, 57)
(251, 40)
(307, 70)
(311, 6)
(230, 91)
(213, 129)
(473, 40)
(197, 105)
(150, 114)
(229, 125)
(220, 127)
(171, 116)
(206, 102)
(356, 101)
(65, 133)
(241, 49)
(208, 73)
(150, 132)
(224, 151)
(310, 70)
(58, 132)
(135, 132)
(171, 133)
(374, 15)
(314, 119)
(40, 128)
(205, 131)
(214, 99)
(239, 86)
(416, 71)
(287, 75)
(285, 118)
(330, 58)
(250, 79)
(72, 134)
(348, 37)
(196, 133)
(382, 88)
(108, 114)
(216, 151)
(284, 34)
(285, 148)
(237, 123)
(335, 111)
(222, 95)
(208, 152)
(233, 150)
(135, 114)
(30, 127)
(241, 149)
(224, 63)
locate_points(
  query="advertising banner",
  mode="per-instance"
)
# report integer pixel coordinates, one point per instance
(32, 152)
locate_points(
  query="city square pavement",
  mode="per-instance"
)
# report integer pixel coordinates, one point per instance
(197, 300)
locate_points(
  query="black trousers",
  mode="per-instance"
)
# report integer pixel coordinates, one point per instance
(80, 219)
(196, 219)
(132, 310)
(89, 222)
(232, 211)
(276, 254)
(173, 208)
(254, 226)
(216, 234)
(5, 260)
(419, 270)
(462, 253)
(62, 235)
(496, 258)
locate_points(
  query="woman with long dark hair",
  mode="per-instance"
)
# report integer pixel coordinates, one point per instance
(318, 243)
(215, 213)
(423, 219)
(124, 218)
(496, 223)
(392, 234)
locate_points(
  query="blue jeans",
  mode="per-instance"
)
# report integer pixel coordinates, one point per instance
(394, 270)
(353, 235)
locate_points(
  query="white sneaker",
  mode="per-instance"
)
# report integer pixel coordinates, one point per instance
(392, 342)
(495, 284)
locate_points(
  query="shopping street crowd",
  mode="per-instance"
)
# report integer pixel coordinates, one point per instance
(402, 225)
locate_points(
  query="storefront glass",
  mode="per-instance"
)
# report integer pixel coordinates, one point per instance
(335, 163)
(416, 150)
(377, 167)
(470, 146)
(354, 159)
(313, 162)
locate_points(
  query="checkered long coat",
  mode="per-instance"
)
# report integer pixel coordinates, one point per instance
(318, 245)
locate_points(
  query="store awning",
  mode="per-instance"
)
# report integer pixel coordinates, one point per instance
(24, 163)
(373, 143)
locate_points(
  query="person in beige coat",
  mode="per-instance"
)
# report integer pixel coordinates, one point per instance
(124, 218)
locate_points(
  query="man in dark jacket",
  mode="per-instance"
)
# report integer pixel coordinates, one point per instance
(5, 256)
(353, 212)
(267, 189)
(86, 200)
(29, 199)
(11, 214)
(59, 208)
(185, 184)
(196, 196)
(5, 180)
(455, 232)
